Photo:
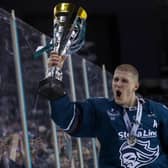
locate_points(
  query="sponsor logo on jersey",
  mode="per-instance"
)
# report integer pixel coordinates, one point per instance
(139, 155)
(140, 133)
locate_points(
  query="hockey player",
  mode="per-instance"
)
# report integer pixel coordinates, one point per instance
(132, 131)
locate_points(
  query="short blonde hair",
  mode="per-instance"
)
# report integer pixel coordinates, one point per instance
(128, 68)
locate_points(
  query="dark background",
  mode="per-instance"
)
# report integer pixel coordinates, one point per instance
(132, 31)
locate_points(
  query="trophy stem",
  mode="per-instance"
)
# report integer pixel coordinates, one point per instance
(55, 72)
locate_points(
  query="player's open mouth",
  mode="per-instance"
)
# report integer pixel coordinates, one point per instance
(118, 93)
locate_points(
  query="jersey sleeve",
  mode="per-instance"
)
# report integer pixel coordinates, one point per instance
(163, 128)
(76, 118)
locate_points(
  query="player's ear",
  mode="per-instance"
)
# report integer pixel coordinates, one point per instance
(136, 86)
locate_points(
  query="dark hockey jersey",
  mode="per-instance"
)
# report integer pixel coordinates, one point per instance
(102, 118)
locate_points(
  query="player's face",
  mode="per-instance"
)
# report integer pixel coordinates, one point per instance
(124, 85)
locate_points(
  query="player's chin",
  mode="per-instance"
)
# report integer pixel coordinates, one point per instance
(118, 100)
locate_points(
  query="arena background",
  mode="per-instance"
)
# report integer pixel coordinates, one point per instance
(133, 32)
(123, 31)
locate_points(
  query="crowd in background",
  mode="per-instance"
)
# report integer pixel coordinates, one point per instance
(12, 154)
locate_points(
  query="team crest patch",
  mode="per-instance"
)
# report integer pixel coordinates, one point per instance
(113, 113)
(139, 155)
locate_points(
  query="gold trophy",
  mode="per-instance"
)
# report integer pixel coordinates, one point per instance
(68, 37)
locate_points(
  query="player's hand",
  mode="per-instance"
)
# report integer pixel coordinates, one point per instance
(56, 60)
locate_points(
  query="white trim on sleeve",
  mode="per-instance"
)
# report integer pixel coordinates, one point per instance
(72, 120)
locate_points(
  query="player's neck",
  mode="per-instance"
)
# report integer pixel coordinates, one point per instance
(131, 103)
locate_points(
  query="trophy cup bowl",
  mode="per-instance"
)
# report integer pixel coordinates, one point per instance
(69, 25)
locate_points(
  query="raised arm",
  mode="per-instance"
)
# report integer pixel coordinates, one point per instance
(76, 118)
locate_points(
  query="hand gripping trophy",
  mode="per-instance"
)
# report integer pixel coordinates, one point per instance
(68, 37)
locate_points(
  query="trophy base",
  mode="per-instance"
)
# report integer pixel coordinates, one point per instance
(51, 88)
